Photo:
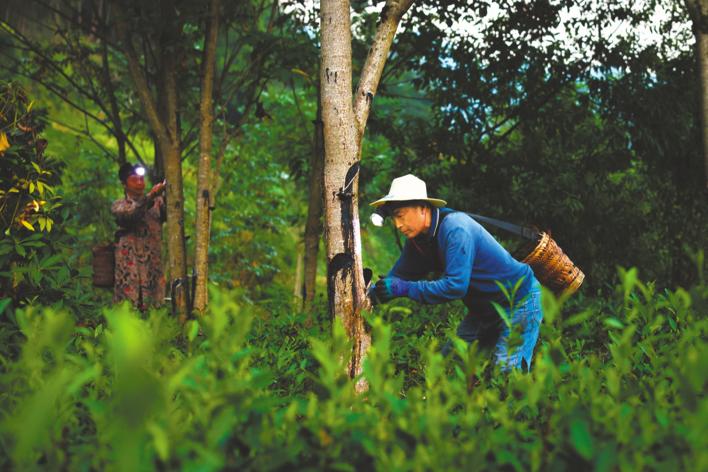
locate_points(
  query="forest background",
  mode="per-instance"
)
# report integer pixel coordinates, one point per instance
(582, 117)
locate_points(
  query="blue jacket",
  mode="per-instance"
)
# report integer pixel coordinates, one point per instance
(468, 258)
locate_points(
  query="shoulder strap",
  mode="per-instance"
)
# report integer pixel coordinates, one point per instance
(523, 231)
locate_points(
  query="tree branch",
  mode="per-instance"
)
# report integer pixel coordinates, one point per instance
(299, 109)
(52, 64)
(390, 17)
(115, 111)
(141, 84)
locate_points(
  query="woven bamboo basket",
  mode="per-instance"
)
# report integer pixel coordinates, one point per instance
(553, 267)
(103, 265)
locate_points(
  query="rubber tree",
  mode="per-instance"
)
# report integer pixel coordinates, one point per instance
(344, 121)
(164, 124)
(698, 11)
(313, 226)
(204, 181)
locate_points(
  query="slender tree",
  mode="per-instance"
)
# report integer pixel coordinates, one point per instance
(344, 122)
(313, 226)
(204, 204)
(698, 10)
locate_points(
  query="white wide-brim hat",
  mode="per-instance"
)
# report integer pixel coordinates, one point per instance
(408, 187)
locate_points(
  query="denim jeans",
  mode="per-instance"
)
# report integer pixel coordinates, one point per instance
(487, 327)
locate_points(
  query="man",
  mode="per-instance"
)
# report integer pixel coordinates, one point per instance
(473, 266)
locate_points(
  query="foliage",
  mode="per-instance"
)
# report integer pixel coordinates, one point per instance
(28, 176)
(604, 154)
(34, 249)
(525, 124)
(618, 385)
(255, 223)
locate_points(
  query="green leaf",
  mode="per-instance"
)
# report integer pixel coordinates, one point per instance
(581, 439)
(502, 313)
(4, 304)
(47, 262)
(34, 244)
(192, 330)
(400, 309)
(159, 437)
(32, 237)
(503, 289)
(613, 323)
(82, 379)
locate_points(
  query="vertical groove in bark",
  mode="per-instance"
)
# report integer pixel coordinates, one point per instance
(204, 202)
(313, 227)
(341, 171)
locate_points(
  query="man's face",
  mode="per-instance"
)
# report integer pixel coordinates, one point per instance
(135, 183)
(411, 220)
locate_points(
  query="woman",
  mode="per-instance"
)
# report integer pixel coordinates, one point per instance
(138, 272)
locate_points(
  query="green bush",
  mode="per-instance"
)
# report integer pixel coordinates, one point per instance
(618, 385)
(36, 260)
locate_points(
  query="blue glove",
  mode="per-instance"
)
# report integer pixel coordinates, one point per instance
(391, 287)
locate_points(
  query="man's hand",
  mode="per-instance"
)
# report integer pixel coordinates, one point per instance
(389, 288)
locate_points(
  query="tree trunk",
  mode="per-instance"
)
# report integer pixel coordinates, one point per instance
(299, 265)
(163, 124)
(313, 227)
(173, 165)
(344, 124)
(204, 202)
(172, 161)
(345, 280)
(702, 43)
(698, 11)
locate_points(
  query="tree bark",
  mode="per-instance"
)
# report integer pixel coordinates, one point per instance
(299, 266)
(698, 11)
(344, 125)
(173, 168)
(702, 50)
(204, 202)
(345, 282)
(313, 227)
